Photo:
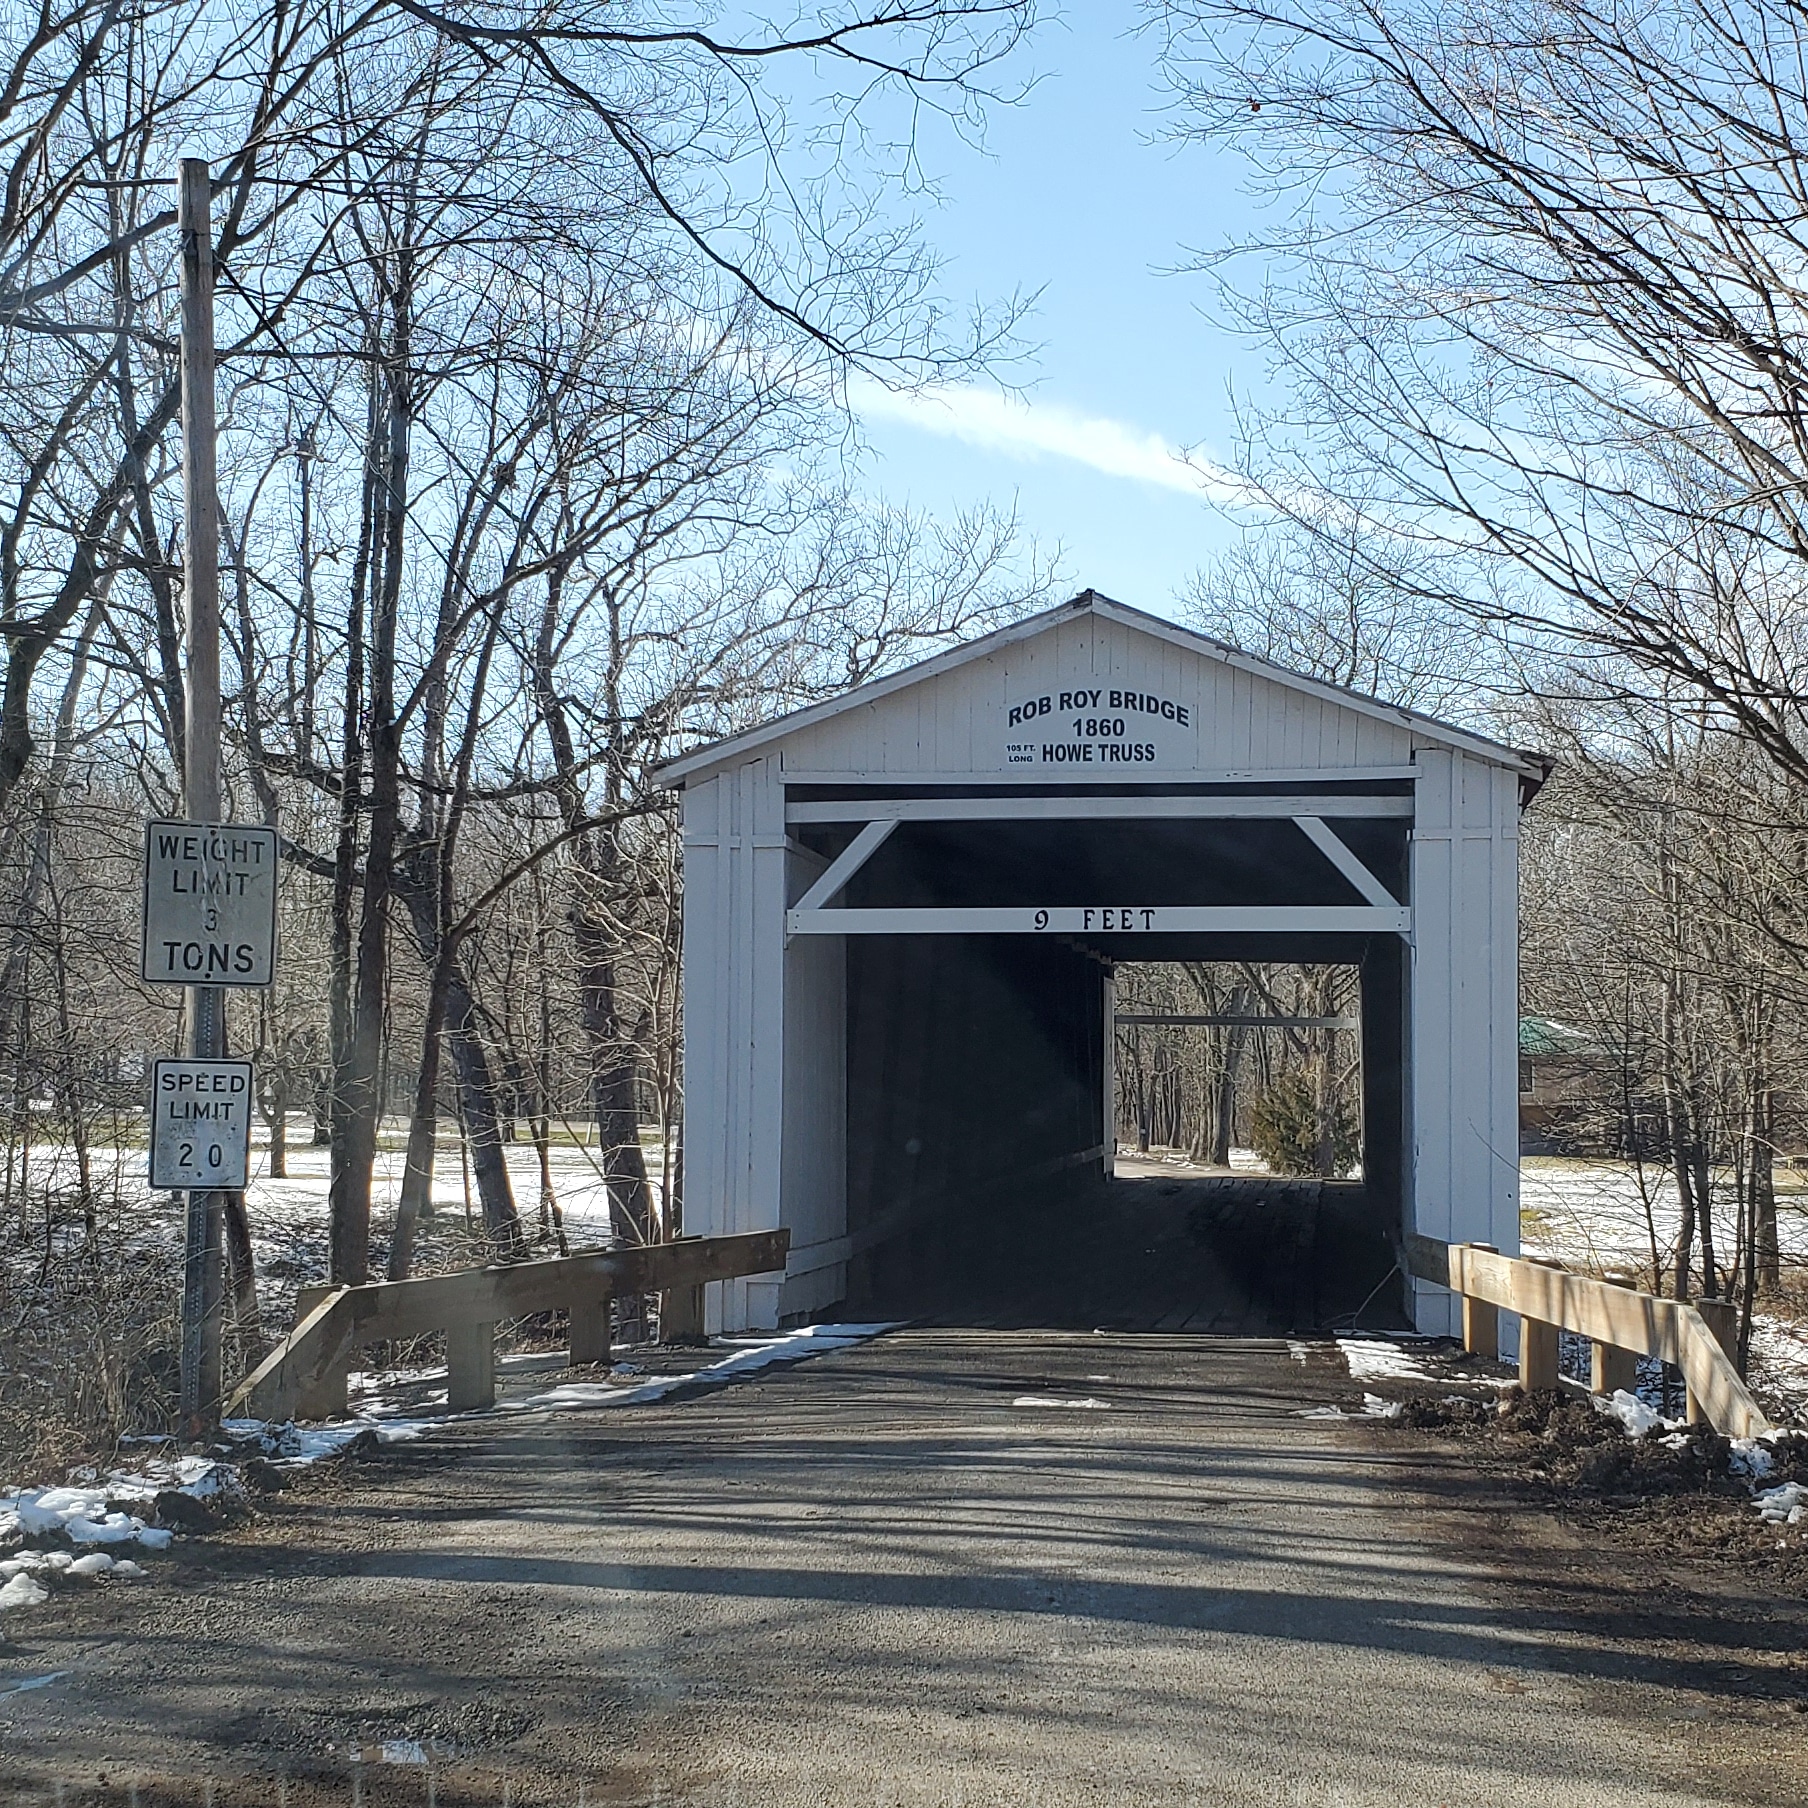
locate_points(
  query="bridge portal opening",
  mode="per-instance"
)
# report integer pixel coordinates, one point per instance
(1028, 1144)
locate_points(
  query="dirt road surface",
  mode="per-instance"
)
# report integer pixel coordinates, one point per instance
(917, 1572)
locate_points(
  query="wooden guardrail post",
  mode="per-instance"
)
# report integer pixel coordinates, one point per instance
(681, 1315)
(471, 1365)
(1611, 1368)
(1722, 1318)
(591, 1330)
(325, 1398)
(1481, 1320)
(1538, 1366)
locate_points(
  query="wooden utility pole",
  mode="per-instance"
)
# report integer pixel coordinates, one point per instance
(203, 1280)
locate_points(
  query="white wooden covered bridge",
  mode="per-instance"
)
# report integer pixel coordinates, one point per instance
(902, 908)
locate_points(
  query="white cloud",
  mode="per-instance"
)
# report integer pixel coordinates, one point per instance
(996, 422)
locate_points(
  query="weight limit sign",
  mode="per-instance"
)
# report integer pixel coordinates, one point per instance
(209, 904)
(200, 1125)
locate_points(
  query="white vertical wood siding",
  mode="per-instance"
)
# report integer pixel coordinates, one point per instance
(958, 724)
(814, 1191)
(1464, 1045)
(734, 955)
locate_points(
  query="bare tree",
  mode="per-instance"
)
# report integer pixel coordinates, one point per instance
(1534, 294)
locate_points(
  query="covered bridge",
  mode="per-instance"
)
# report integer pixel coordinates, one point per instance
(904, 907)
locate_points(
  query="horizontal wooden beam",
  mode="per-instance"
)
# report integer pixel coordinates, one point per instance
(389, 1309)
(1029, 809)
(1231, 1020)
(1115, 919)
(1033, 778)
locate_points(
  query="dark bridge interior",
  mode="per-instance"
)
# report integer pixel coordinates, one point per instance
(976, 1092)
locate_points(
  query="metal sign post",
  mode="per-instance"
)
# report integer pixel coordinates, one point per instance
(203, 1278)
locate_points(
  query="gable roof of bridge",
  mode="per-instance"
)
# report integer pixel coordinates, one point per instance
(736, 747)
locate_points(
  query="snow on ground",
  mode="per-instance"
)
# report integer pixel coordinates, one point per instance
(278, 1208)
(747, 1355)
(1132, 1163)
(1373, 1407)
(1376, 1359)
(37, 1525)
(1636, 1415)
(576, 1178)
(1779, 1357)
(1607, 1213)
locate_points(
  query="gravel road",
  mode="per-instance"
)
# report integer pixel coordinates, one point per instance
(943, 1568)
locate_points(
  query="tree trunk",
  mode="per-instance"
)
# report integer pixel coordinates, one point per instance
(423, 1129)
(357, 1099)
(417, 882)
(1766, 1247)
(246, 1317)
(1704, 1210)
(614, 1062)
(1224, 1110)
(483, 1130)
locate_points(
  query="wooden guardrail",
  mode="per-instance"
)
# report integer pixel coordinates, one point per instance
(305, 1374)
(1621, 1322)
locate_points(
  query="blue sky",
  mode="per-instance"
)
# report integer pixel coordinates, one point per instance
(1073, 198)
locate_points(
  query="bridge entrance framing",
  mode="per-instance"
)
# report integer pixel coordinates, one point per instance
(903, 906)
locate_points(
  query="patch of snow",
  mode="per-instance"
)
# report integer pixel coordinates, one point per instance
(1083, 1401)
(1373, 1359)
(34, 1682)
(1787, 1505)
(293, 1446)
(1639, 1419)
(749, 1355)
(402, 1751)
(110, 1528)
(81, 1515)
(1300, 1352)
(1373, 1407)
(1779, 1357)
(96, 1563)
(22, 1591)
(1752, 1458)
(129, 1570)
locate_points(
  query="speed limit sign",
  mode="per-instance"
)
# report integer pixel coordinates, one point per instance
(200, 1125)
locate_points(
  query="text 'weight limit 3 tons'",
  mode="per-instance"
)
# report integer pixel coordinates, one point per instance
(209, 905)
